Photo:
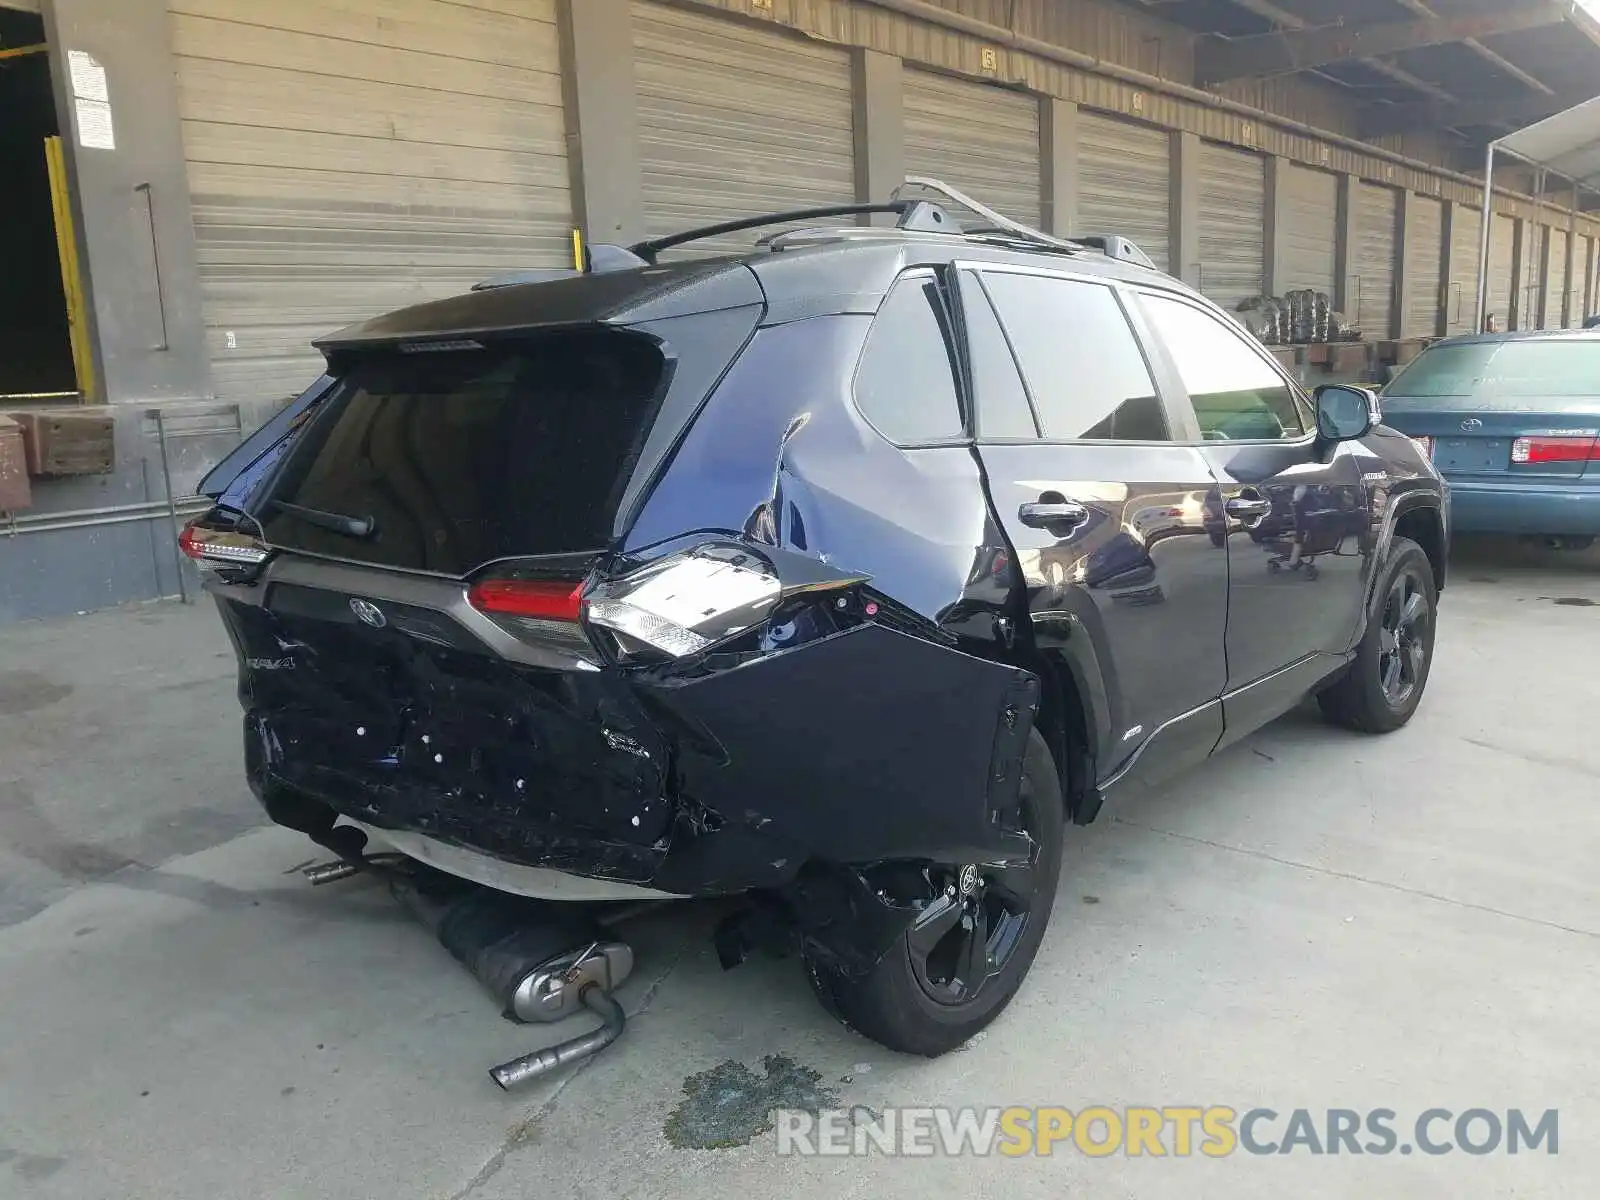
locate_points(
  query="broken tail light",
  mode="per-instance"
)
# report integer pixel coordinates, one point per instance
(1556, 448)
(688, 601)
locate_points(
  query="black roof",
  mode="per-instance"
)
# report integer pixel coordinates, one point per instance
(805, 273)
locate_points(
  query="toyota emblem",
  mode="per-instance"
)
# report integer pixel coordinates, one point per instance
(369, 613)
(1471, 423)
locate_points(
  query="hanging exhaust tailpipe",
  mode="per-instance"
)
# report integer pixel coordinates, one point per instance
(540, 960)
(541, 1062)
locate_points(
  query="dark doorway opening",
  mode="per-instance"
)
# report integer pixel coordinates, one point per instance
(35, 333)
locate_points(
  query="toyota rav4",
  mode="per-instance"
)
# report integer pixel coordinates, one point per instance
(843, 572)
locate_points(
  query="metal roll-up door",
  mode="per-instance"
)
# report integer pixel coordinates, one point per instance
(1371, 302)
(981, 139)
(1555, 280)
(735, 121)
(343, 161)
(1231, 218)
(1311, 211)
(1502, 239)
(1462, 295)
(1124, 174)
(1424, 266)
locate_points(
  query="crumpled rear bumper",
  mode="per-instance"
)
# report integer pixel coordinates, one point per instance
(862, 747)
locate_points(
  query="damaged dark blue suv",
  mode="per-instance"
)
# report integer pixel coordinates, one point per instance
(842, 573)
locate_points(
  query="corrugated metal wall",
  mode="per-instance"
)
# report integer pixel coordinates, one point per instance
(1124, 182)
(981, 139)
(344, 160)
(1530, 279)
(1424, 253)
(1585, 285)
(1555, 281)
(1231, 221)
(735, 121)
(1502, 243)
(1462, 296)
(1372, 258)
(1310, 204)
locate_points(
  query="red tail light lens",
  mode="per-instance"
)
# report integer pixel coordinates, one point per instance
(541, 599)
(1555, 448)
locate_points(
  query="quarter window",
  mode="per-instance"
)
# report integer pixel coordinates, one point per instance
(1236, 393)
(1083, 367)
(906, 383)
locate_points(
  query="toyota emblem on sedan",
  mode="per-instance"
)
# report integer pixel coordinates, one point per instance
(1471, 423)
(369, 612)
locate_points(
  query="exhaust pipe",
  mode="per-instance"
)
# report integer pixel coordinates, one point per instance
(521, 950)
(541, 1062)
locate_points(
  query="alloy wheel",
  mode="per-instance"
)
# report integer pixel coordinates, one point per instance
(1402, 638)
(968, 931)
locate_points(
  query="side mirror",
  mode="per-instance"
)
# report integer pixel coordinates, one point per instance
(1345, 413)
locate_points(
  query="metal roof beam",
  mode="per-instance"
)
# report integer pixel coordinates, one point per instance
(1287, 20)
(1288, 50)
(1383, 120)
(1483, 52)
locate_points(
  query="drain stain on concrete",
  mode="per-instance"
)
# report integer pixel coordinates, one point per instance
(730, 1105)
(1572, 601)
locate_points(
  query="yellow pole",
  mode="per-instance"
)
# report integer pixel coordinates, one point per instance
(577, 250)
(71, 275)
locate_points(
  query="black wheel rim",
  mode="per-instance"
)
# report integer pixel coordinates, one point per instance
(976, 915)
(1403, 638)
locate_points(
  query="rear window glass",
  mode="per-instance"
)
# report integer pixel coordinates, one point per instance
(1498, 375)
(458, 458)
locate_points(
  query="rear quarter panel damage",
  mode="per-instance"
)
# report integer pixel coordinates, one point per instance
(874, 743)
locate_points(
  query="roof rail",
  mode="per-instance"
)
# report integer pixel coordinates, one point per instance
(1110, 244)
(919, 216)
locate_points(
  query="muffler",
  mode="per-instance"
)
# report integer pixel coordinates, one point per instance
(540, 960)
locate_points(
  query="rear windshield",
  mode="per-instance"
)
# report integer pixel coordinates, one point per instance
(1509, 375)
(458, 458)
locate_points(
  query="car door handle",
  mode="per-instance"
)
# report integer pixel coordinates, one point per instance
(1043, 514)
(1248, 507)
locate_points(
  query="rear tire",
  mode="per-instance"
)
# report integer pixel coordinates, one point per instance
(903, 1003)
(1384, 685)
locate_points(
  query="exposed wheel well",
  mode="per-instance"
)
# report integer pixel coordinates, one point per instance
(1063, 722)
(1424, 527)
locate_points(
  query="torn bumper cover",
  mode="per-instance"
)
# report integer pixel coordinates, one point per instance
(808, 770)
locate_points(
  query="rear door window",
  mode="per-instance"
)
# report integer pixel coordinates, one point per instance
(458, 458)
(1083, 367)
(1002, 404)
(1238, 395)
(906, 381)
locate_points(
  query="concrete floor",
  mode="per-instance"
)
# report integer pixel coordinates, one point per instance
(1314, 920)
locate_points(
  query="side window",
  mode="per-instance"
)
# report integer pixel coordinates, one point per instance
(1236, 393)
(1084, 369)
(998, 395)
(906, 383)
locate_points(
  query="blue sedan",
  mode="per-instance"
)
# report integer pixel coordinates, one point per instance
(1512, 422)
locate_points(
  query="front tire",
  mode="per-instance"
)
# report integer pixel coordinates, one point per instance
(1385, 683)
(970, 947)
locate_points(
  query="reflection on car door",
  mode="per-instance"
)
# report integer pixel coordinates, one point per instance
(1296, 511)
(1106, 513)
